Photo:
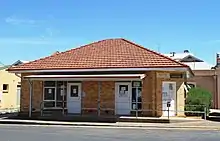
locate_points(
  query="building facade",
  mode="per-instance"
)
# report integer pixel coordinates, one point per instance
(109, 77)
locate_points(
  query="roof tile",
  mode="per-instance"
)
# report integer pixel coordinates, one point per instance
(109, 53)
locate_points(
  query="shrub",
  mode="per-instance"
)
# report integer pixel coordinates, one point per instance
(197, 99)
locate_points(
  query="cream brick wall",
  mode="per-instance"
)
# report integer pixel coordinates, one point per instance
(10, 99)
(180, 101)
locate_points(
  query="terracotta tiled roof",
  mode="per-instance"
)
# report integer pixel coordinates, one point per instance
(109, 53)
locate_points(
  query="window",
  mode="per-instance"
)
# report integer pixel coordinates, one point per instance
(54, 93)
(123, 90)
(136, 95)
(74, 92)
(5, 88)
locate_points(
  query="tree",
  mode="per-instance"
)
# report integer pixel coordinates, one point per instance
(197, 99)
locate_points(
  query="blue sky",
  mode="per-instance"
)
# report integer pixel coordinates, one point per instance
(30, 30)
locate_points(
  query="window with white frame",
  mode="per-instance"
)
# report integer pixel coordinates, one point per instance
(54, 93)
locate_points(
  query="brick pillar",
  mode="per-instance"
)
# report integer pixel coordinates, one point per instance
(159, 97)
(180, 102)
(147, 94)
(25, 94)
(37, 95)
(90, 100)
(107, 98)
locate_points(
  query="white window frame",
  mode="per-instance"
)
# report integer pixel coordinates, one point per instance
(136, 95)
(55, 94)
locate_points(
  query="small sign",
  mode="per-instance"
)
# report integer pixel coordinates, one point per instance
(176, 75)
(137, 84)
(163, 75)
(123, 88)
(74, 91)
(62, 92)
(49, 91)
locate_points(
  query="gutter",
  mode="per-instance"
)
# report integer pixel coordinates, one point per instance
(18, 75)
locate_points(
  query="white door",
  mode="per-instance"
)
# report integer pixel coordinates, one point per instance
(122, 98)
(74, 98)
(169, 95)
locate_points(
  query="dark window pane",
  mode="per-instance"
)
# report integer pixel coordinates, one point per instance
(139, 94)
(74, 91)
(48, 104)
(136, 94)
(123, 87)
(49, 83)
(59, 104)
(5, 87)
(49, 93)
(133, 94)
(60, 93)
(123, 90)
(139, 106)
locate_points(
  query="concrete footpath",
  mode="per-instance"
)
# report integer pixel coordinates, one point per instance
(202, 124)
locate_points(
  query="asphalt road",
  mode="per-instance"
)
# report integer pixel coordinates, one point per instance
(48, 133)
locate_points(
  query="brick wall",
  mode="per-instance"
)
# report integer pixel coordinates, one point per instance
(151, 95)
(107, 97)
(180, 100)
(25, 94)
(90, 99)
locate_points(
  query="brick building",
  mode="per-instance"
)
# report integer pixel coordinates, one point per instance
(206, 75)
(108, 77)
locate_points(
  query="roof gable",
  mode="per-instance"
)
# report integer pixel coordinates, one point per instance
(109, 53)
(191, 58)
(184, 57)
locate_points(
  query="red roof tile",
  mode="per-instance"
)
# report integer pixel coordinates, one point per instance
(109, 53)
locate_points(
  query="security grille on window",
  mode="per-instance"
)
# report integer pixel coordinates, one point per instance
(54, 93)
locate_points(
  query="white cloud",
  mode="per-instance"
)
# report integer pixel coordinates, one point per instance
(62, 41)
(16, 21)
(24, 41)
(51, 31)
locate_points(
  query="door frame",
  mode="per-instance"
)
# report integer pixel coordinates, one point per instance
(116, 93)
(80, 94)
(175, 98)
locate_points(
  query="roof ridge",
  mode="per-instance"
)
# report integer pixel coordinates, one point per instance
(154, 52)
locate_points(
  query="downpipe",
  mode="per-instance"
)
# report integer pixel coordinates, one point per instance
(30, 98)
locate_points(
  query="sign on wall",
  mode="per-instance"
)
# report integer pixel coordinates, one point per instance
(163, 75)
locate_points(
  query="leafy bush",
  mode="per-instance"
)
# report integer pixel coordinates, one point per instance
(197, 99)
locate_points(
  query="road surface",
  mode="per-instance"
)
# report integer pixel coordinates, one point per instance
(57, 133)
